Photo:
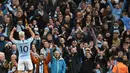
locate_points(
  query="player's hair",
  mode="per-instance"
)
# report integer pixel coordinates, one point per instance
(21, 33)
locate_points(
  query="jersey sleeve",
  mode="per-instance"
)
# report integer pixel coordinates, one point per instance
(30, 39)
(15, 41)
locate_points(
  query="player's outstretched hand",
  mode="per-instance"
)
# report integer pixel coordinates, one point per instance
(28, 28)
(14, 29)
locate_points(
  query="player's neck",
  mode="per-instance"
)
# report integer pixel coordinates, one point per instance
(22, 39)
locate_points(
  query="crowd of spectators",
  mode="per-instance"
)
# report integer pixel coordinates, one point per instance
(71, 36)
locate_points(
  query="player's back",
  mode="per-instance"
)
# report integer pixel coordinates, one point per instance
(23, 47)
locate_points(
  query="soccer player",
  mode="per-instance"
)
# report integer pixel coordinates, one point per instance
(23, 46)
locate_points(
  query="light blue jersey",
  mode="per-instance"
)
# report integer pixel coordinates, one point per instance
(117, 12)
(23, 47)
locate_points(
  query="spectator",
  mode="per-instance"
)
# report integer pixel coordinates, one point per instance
(102, 60)
(46, 56)
(7, 26)
(87, 64)
(49, 38)
(97, 68)
(110, 64)
(2, 42)
(54, 4)
(58, 64)
(3, 63)
(73, 60)
(35, 59)
(20, 26)
(63, 48)
(30, 12)
(60, 19)
(116, 39)
(8, 51)
(126, 49)
(113, 50)
(119, 66)
(125, 60)
(37, 42)
(120, 54)
(126, 20)
(117, 10)
(15, 51)
(34, 26)
(99, 40)
(13, 64)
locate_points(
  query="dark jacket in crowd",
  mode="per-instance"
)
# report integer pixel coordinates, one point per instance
(73, 63)
(2, 45)
(2, 68)
(87, 66)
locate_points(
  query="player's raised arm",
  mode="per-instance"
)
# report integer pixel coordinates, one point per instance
(111, 6)
(11, 34)
(31, 32)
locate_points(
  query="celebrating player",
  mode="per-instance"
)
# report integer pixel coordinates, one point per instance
(23, 46)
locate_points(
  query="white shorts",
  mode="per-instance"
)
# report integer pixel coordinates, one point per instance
(25, 64)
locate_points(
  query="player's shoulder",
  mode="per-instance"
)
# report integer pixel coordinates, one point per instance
(22, 41)
(18, 41)
(30, 39)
